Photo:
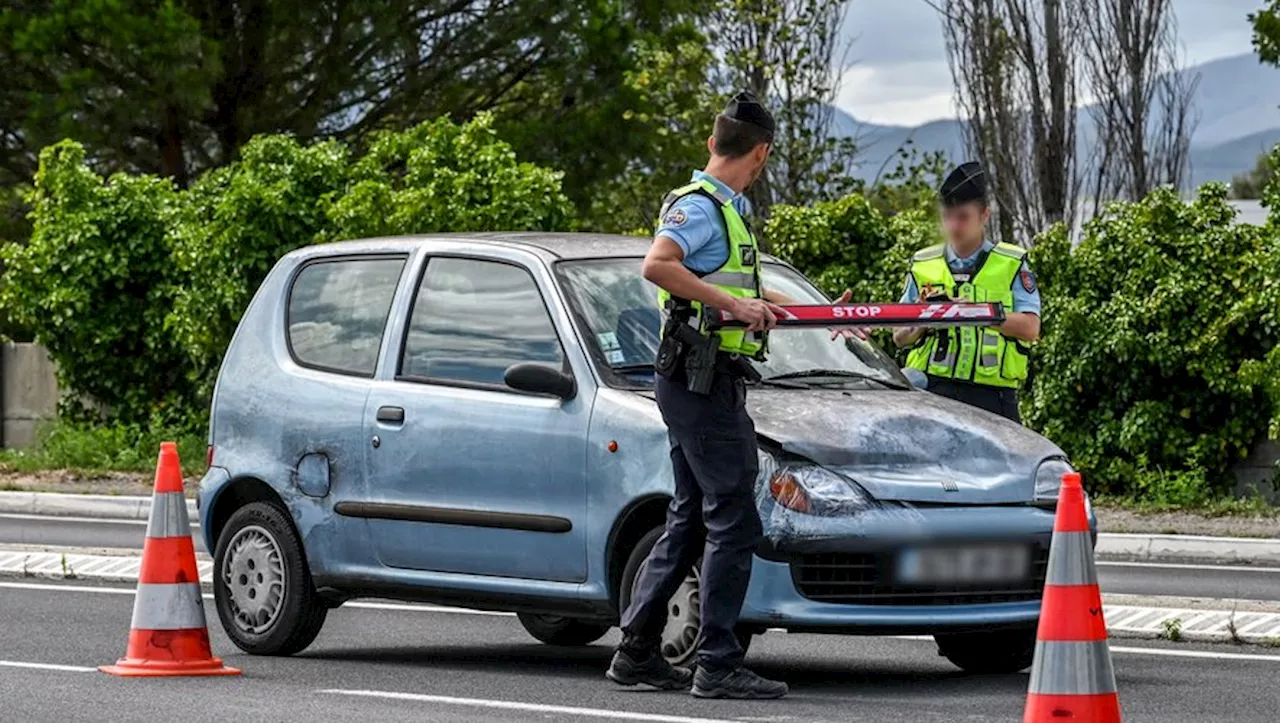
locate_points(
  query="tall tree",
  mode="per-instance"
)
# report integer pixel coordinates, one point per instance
(784, 51)
(1142, 98)
(175, 86)
(1014, 66)
(1266, 32)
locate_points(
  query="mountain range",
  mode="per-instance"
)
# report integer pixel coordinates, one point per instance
(1237, 103)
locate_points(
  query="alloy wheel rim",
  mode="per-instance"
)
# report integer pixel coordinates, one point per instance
(254, 575)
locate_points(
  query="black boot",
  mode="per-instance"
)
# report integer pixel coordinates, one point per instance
(639, 663)
(738, 683)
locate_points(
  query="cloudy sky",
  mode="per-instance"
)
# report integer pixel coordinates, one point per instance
(898, 71)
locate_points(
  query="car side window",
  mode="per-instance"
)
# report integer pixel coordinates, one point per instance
(473, 319)
(337, 312)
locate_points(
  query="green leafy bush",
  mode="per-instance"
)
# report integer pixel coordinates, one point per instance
(95, 282)
(1148, 325)
(236, 222)
(441, 176)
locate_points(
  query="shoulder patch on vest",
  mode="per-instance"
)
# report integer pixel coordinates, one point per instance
(1010, 250)
(931, 252)
(675, 217)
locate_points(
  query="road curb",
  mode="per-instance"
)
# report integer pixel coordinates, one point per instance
(103, 507)
(1138, 546)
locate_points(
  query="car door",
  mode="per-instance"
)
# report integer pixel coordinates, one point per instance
(466, 474)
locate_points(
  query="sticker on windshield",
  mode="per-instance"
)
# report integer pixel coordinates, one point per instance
(616, 356)
(608, 341)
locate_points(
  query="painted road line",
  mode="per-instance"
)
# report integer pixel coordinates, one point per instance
(46, 666)
(108, 568)
(1208, 654)
(1185, 566)
(524, 707)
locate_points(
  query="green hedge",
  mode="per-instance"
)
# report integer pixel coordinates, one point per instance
(1157, 372)
(135, 287)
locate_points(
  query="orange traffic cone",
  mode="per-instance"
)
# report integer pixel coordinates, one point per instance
(169, 635)
(1071, 678)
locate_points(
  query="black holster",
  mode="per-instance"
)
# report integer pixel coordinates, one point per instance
(683, 349)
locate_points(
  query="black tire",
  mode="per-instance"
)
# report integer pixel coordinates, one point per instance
(556, 630)
(629, 573)
(300, 613)
(997, 651)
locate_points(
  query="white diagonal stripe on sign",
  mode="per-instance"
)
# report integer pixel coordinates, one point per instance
(176, 606)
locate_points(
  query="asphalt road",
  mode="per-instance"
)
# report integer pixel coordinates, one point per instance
(402, 663)
(1239, 582)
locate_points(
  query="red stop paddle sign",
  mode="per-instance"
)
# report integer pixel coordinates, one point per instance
(946, 313)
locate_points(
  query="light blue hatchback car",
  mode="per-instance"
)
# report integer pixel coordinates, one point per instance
(468, 420)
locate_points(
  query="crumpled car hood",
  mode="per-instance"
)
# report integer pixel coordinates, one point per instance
(906, 446)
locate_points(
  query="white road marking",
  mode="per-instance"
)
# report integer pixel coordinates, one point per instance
(1194, 654)
(46, 666)
(525, 707)
(1186, 566)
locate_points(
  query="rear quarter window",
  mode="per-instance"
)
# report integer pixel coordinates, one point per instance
(338, 310)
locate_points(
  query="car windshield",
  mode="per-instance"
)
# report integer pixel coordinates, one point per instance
(620, 312)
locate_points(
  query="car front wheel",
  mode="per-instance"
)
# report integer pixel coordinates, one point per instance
(261, 585)
(997, 651)
(680, 634)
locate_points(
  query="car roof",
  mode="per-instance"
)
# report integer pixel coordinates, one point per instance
(549, 244)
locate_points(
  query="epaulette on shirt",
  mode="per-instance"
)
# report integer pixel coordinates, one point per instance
(932, 252)
(1015, 252)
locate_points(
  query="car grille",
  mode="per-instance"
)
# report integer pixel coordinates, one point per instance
(866, 578)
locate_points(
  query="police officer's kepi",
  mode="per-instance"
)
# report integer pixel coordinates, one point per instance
(746, 108)
(966, 183)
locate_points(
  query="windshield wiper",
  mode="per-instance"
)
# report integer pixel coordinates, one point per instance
(836, 373)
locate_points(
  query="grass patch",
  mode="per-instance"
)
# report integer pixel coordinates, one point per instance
(90, 449)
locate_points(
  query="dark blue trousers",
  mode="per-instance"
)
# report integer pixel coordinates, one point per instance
(713, 516)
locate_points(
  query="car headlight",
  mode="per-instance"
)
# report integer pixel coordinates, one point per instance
(1049, 479)
(808, 488)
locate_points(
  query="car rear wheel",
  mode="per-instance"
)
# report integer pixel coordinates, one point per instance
(261, 585)
(557, 630)
(997, 651)
(680, 635)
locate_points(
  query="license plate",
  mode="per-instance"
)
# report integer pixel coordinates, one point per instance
(970, 564)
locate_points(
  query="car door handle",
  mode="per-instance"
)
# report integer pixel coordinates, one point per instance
(391, 415)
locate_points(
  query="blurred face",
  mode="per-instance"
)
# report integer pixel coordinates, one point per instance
(964, 225)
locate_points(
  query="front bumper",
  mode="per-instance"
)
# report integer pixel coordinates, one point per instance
(774, 599)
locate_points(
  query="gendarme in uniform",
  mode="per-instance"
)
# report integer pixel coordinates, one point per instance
(701, 391)
(978, 366)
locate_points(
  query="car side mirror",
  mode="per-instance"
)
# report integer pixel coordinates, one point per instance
(916, 377)
(540, 379)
